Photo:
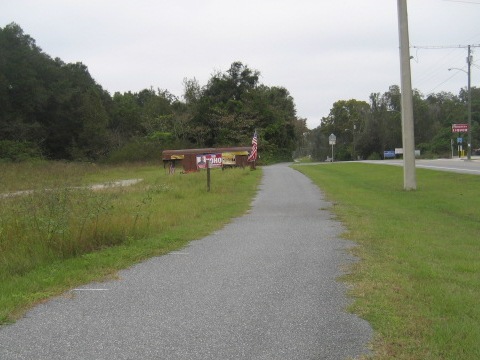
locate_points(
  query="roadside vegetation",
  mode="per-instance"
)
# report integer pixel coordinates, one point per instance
(65, 233)
(54, 110)
(418, 280)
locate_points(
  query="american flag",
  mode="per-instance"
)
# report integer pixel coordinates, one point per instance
(253, 153)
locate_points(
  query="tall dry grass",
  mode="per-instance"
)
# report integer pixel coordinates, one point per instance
(61, 220)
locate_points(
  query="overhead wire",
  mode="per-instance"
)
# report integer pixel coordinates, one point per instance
(442, 64)
(464, 1)
(435, 73)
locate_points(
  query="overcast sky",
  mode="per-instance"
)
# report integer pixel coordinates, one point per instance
(321, 51)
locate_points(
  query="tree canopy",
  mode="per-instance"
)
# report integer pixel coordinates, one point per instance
(56, 110)
(365, 130)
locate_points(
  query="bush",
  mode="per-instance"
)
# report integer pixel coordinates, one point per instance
(374, 156)
(136, 150)
(17, 151)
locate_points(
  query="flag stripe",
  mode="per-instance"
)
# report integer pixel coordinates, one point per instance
(253, 153)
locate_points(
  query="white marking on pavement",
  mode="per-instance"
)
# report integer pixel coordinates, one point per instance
(90, 289)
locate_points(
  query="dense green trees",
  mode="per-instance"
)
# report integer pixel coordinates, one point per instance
(366, 130)
(55, 107)
(58, 111)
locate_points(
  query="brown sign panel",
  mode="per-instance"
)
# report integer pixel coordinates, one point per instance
(459, 128)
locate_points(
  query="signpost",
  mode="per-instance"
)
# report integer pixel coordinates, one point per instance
(209, 165)
(332, 139)
(459, 128)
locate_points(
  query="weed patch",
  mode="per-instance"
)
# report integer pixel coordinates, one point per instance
(63, 234)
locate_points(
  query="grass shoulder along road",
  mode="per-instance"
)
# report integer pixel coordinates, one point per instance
(418, 278)
(70, 234)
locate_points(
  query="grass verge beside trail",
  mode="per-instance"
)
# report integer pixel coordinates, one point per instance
(63, 235)
(418, 281)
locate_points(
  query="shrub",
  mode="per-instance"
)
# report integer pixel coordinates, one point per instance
(374, 156)
(17, 151)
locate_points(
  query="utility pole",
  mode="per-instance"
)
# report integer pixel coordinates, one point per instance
(408, 138)
(469, 90)
(469, 148)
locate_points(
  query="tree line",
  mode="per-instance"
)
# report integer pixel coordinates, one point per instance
(54, 110)
(364, 130)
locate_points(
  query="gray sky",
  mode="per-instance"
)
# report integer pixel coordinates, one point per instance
(321, 51)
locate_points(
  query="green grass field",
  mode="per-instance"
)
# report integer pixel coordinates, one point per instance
(418, 281)
(64, 234)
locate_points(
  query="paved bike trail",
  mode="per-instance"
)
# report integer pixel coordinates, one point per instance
(263, 287)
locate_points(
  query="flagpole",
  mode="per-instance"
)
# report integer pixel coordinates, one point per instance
(253, 153)
(255, 160)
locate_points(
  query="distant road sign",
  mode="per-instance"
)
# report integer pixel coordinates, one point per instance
(332, 139)
(456, 128)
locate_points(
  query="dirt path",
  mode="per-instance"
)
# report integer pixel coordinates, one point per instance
(118, 183)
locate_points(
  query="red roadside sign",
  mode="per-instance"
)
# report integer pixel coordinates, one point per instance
(459, 128)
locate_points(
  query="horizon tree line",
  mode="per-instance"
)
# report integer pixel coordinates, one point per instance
(53, 110)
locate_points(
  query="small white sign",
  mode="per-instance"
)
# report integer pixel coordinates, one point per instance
(332, 139)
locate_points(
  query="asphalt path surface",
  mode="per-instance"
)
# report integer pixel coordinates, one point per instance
(263, 287)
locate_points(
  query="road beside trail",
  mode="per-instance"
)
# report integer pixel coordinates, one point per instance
(461, 166)
(263, 287)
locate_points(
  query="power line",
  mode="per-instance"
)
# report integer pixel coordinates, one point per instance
(464, 1)
(435, 47)
(436, 87)
(433, 71)
(469, 63)
(440, 47)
